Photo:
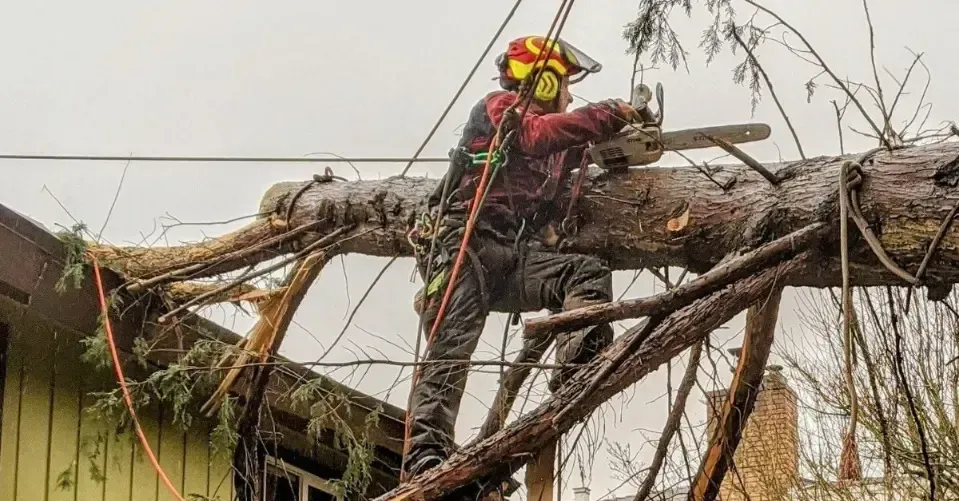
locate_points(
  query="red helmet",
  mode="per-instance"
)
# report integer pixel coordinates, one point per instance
(520, 60)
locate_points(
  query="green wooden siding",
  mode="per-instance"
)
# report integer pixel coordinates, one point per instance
(51, 450)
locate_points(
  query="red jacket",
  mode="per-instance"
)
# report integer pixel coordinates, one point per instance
(546, 147)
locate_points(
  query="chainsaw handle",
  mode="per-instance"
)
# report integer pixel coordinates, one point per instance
(647, 116)
(642, 96)
(659, 102)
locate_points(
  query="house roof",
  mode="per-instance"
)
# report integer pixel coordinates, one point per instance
(32, 261)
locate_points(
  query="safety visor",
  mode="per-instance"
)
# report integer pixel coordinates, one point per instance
(583, 65)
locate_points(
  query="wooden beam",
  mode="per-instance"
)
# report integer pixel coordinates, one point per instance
(740, 400)
(541, 473)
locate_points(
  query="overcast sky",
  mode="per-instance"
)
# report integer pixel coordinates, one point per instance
(369, 78)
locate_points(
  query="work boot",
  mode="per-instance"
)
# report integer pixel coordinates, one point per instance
(578, 347)
(422, 465)
(478, 490)
(502, 492)
(483, 490)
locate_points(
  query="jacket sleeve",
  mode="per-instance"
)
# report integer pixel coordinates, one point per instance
(542, 135)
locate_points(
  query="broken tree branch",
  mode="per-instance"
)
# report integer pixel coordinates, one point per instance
(744, 157)
(665, 302)
(638, 334)
(506, 451)
(672, 423)
(529, 355)
(740, 399)
(181, 292)
(772, 91)
(267, 334)
(316, 246)
(265, 338)
(209, 267)
(825, 67)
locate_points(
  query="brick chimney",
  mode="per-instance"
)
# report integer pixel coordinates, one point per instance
(581, 494)
(767, 460)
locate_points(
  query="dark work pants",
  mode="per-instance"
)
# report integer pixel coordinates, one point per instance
(540, 280)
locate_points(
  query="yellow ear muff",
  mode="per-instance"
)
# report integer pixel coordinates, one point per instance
(548, 86)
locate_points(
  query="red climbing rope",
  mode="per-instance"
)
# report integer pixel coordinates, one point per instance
(475, 207)
(470, 222)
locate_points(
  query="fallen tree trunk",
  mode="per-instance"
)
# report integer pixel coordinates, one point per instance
(507, 450)
(906, 194)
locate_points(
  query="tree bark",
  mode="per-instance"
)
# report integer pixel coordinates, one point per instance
(506, 451)
(906, 194)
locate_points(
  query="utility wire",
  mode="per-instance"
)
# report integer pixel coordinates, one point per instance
(459, 91)
(128, 158)
(409, 161)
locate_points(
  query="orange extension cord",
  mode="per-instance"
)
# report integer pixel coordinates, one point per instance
(105, 310)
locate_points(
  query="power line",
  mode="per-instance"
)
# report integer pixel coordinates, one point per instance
(409, 161)
(459, 91)
(133, 158)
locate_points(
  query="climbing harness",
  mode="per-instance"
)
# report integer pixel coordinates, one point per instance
(497, 147)
(451, 282)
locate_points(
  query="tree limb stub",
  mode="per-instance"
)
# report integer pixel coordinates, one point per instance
(905, 195)
(506, 451)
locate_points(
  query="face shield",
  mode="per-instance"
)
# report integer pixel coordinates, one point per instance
(583, 64)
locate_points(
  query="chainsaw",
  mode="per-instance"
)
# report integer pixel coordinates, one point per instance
(645, 142)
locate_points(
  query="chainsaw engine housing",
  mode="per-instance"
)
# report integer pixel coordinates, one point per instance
(639, 146)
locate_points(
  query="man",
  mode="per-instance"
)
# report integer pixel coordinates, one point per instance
(506, 269)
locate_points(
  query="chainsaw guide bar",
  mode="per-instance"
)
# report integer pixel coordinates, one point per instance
(643, 145)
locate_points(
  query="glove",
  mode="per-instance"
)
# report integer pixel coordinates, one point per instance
(510, 120)
(625, 111)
